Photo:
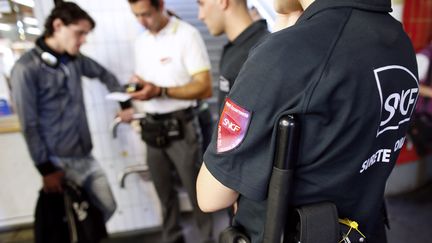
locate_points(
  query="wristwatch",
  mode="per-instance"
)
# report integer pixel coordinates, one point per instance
(164, 92)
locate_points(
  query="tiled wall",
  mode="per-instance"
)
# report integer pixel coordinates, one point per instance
(19, 180)
(111, 44)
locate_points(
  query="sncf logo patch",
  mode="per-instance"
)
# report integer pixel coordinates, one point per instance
(398, 90)
(229, 124)
(232, 126)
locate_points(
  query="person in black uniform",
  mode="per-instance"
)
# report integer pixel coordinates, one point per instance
(348, 70)
(232, 18)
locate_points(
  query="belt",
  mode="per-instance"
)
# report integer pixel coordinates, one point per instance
(186, 115)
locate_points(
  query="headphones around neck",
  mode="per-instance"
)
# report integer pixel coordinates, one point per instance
(48, 58)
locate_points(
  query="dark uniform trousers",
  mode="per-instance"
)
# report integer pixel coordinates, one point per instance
(182, 155)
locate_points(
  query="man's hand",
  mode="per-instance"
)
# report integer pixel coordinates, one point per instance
(126, 115)
(148, 91)
(52, 183)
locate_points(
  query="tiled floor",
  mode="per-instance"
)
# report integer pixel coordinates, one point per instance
(17, 236)
(409, 214)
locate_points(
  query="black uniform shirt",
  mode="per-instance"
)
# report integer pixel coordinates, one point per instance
(348, 70)
(235, 54)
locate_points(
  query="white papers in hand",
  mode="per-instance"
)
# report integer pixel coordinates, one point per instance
(118, 96)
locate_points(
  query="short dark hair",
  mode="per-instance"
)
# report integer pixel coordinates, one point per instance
(69, 13)
(154, 3)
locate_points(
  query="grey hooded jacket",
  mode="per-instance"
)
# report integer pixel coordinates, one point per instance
(50, 105)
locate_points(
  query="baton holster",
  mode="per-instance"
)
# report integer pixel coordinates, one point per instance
(312, 223)
(317, 222)
(233, 235)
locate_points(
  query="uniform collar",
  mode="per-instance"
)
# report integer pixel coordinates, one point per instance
(250, 31)
(369, 5)
(170, 28)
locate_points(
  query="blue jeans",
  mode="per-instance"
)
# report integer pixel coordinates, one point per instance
(88, 174)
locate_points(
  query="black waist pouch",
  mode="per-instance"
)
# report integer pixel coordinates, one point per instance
(159, 133)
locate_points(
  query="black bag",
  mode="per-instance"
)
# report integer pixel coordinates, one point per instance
(86, 222)
(50, 224)
(159, 133)
(420, 132)
(68, 218)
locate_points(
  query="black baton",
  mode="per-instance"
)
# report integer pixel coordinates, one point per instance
(281, 183)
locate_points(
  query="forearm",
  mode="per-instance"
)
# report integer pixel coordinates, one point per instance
(198, 88)
(92, 69)
(38, 150)
(189, 91)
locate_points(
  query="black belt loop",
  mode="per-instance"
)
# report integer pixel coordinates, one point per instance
(185, 115)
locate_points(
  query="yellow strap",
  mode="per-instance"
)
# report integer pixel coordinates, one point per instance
(353, 225)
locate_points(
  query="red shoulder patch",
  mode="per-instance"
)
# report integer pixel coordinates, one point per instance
(232, 127)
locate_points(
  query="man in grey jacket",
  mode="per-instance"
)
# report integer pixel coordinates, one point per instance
(47, 90)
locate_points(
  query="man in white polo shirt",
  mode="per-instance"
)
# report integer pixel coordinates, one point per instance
(173, 68)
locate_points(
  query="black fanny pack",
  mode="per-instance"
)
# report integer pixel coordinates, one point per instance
(159, 133)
